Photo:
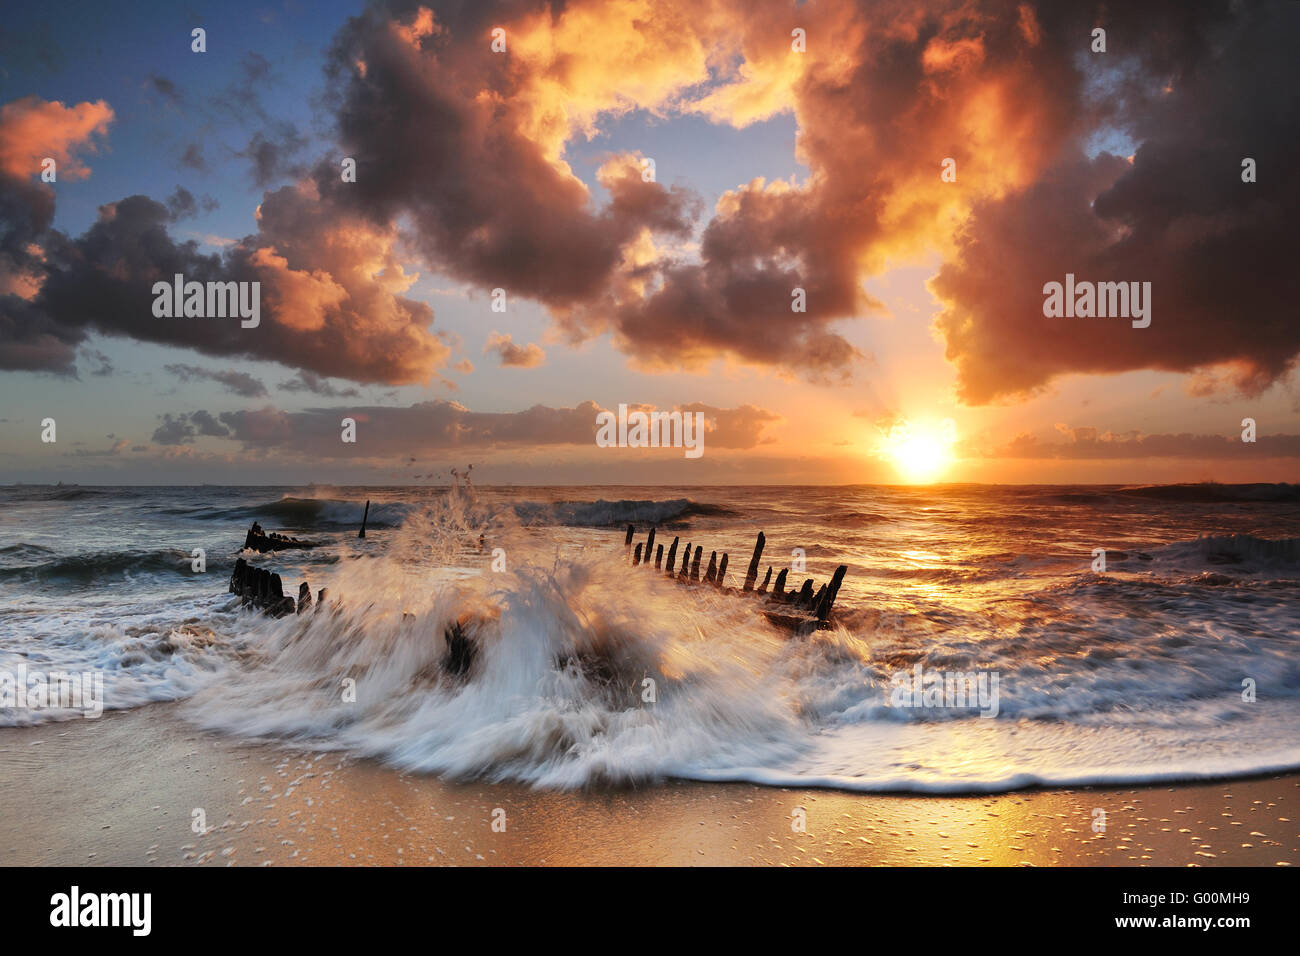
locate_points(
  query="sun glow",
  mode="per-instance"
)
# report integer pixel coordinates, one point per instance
(920, 454)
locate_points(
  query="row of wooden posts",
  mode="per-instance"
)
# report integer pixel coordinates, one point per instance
(817, 603)
(260, 588)
(264, 590)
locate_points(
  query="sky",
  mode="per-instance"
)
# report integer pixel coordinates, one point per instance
(655, 187)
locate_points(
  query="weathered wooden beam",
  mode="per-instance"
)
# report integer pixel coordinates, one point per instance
(695, 563)
(778, 590)
(659, 556)
(636, 557)
(686, 563)
(767, 578)
(237, 576)
(752, 574)
(627, 541)
(672, 555)
(722, 572)
(711, 574)
(362, 532)
(832, 591)
(321, 596)
(304, 597)
(649, 545)
(805, 593)
(460, 649)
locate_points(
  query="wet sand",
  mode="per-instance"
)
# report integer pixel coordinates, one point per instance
(123, 790)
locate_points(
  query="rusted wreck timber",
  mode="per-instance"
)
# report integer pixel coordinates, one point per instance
(798, 611)
(262, 541)
(263, 590)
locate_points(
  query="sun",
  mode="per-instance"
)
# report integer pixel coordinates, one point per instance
(920, 454)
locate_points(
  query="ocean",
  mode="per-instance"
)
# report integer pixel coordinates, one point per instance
(1176, 662)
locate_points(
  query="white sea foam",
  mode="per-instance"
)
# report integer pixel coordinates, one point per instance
(1128, 677)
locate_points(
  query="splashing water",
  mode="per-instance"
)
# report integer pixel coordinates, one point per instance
(589, 673)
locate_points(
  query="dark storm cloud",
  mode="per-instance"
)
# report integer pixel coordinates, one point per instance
(1217, 87)
(466, 150)
(439, 134)
(319, 311)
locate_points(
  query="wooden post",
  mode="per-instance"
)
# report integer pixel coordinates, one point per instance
(686, 563)
(627, 541)
(659, 556)
(711, 574)
(752, 574)
(321, 596)
(672, 555)
(778, 591)
(237, 575)
(805, 593)
(364, 516)
(304, 597)
(649, 545)
(817, 598)
(766, 579)
(695, 564)
(722, 572)
(824, 608)
(636, 558)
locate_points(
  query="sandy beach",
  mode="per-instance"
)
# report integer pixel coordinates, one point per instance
(122, 790)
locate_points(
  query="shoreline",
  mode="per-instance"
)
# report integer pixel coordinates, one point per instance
(123, 790)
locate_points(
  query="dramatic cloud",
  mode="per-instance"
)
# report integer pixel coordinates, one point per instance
(513, 355)
(1202, 87)
(30, 130)
(331, 282)
(462, 157)
(469, 146)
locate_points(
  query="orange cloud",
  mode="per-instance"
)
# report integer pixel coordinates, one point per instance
(32, 129)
